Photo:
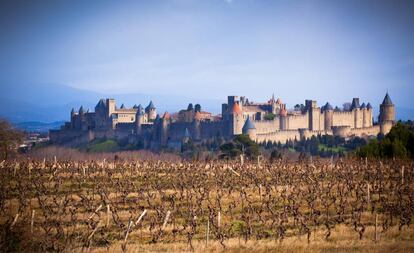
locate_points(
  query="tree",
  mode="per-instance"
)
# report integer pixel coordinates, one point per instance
(241, 144)
(10, 138)
(399, 142)
(269, 116)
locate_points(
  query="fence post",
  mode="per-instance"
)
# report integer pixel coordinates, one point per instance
(166, 220)
(107, 215)
(32, 221)
(208, 230)
(376, 227)
(219, 219)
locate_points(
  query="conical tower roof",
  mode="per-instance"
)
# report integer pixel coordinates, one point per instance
(248, 125)
(355, 103)
(387, 100)
(237, 109)
(369, 106)
(363, 106)
(140, 110)
(150, 106)
(81, 110)
(328, 107)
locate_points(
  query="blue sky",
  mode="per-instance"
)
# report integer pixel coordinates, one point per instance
(324, 50)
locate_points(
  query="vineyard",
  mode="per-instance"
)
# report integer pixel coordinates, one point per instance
(118, 206)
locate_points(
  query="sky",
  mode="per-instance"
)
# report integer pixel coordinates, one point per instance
(325, 50)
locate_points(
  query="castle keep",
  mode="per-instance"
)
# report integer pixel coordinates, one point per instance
(269, 121)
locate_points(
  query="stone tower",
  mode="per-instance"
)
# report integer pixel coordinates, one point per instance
(386, 117)
(249, 129)
(139, 119)
(197, 126)
(110, 103)
(328, 116)
(387, 110)
(165, 122)
(151, 111)
(237, 119)
(314, 113)
(355, 108)
(283, 118)
(369, 114)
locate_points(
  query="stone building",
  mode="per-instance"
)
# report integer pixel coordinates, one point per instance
(269, 121)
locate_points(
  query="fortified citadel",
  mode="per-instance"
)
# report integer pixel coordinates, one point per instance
(270, 121)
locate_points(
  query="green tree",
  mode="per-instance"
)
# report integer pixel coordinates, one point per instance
(241, 144)
(269, 116)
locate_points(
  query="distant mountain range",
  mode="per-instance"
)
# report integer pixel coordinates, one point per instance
(53, 102)
(44, 106)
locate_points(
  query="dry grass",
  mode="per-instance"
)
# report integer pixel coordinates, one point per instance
(342, 239)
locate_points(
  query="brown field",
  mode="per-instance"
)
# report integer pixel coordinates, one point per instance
(94, 206)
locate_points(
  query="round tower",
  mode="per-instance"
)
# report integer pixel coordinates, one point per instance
(139, 119)
(238, 120)
(283, 117)
(197, 125)
(249, 129)
(387, 110)
(328, 116)
(151, 111)
(369, 115)
(164, 128)
(365, 116)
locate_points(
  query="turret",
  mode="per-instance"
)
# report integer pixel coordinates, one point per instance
(139, 119)
(110, 103)
(365, 115)
(151, 111)
(165, 121)
(314, 113)
(72, 113)
(197, 125)
(328, 116)
(387, 110)
(81, 111)
(249, 129)
(283, 117)
(237, 119)
(386, 117)
(369, 115)
(358, 117)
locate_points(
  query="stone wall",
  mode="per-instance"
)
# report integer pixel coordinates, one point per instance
(343, 119)
(278, 136)
(267, 126)
(366, 131)
(295, 122)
